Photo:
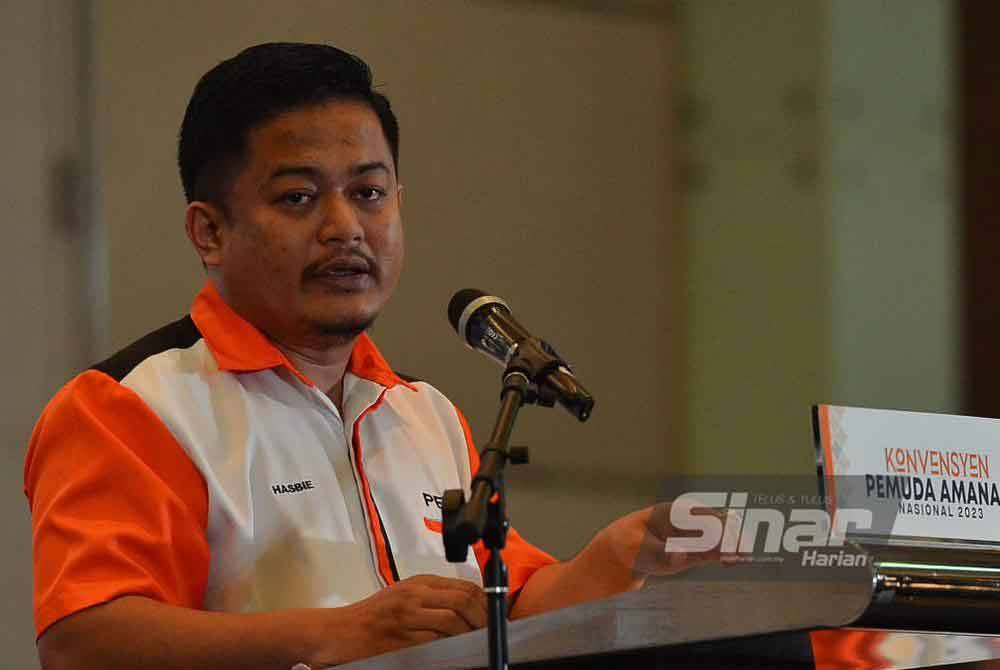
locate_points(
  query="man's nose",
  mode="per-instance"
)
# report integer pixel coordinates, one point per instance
(341, 223)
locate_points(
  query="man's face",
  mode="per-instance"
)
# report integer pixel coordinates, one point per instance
(313, 243)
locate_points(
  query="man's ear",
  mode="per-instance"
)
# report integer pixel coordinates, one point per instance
(206, 228)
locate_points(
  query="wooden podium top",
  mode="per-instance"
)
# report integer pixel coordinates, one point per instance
(666, 612)
(908, 608)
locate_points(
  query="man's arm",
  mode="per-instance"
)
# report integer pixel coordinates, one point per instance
(141, 632)
(603, 568)
(618, 559)
(135, 631)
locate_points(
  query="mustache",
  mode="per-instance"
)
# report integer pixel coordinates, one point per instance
(354, 260)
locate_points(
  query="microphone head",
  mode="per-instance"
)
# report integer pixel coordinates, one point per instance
(464, 304)
(458, 303)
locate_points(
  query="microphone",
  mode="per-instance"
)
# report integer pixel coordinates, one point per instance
(484, 323)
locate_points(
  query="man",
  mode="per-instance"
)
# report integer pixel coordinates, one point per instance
(252, 486)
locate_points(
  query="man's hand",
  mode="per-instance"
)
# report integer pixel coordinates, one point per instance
(412, 611)
(649, 552)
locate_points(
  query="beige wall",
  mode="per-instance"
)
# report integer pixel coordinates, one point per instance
(754, 208)
(46, 331)
(535, 161)
(894, 205)
(817, 153)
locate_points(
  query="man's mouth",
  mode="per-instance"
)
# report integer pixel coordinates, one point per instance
(351, 272)
(343, 267)
(345, 272)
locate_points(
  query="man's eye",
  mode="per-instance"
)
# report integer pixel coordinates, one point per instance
(297, 198)
(369, 193)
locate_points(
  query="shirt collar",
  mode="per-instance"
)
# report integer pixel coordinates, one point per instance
(238, 346)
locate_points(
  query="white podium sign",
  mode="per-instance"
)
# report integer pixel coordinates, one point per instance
(930, 477)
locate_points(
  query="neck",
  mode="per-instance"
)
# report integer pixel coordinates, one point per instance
(325, 367)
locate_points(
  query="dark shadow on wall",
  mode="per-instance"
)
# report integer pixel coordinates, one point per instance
(978, 55)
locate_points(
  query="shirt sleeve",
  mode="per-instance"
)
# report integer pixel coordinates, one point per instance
(522, 557)
(838, 649)
(117, 507)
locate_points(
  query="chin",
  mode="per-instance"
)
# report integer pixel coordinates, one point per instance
(333, 309)
(341, 327)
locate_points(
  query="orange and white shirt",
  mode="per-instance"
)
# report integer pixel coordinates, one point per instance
(200, 468)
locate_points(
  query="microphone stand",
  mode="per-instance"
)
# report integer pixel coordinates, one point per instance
(484, 515)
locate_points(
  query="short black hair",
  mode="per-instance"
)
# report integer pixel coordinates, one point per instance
(254, 87)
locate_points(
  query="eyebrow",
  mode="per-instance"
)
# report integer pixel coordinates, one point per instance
(365, 168)
(314, 172)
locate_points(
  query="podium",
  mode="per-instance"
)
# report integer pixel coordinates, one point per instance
(921, 588)
(913, 608)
